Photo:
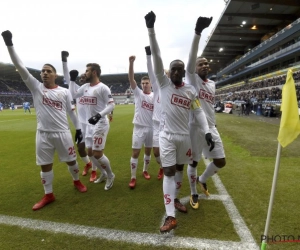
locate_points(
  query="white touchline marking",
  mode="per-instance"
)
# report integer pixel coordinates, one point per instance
(247, 241)
(11, 120)
(118, 235)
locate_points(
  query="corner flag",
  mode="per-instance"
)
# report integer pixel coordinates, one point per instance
(289, 124)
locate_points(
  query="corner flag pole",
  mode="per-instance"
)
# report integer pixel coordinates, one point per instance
(265, 236)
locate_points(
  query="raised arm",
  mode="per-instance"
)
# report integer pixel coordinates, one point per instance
(131, 73)
(73, 87)
(157, 61)
(202, 23)
(64, 56)
(151, 74)
(24, 73)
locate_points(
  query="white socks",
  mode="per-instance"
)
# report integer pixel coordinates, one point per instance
(210, 170)
(169, 194)
(147, 159)
(47, 178)
(74, 171)
(192, 175)
(178, 181)
(133, 167)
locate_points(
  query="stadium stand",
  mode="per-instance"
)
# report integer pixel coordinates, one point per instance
(250, 50)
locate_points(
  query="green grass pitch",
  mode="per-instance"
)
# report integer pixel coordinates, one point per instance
(250, 147)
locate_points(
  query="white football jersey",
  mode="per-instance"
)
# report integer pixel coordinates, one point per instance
(143, 108)
(156, 91)
(95, 99)
(51, 106)
(206, 93)
(176, 105)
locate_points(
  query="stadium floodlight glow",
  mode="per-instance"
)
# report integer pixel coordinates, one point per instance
(221, 49)
(211, 60)
(254, 27)
(244, 22)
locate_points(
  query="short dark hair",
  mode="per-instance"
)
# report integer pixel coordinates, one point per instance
(50, 65)
(177, 60)
(95, 66)
(200, 57)
(145, 78)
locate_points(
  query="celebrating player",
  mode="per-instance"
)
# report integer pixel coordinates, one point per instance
(142, 131)
(81, 113)
(174, 140)
(52, 104)
(206, 91)
(156, 111)
(99, 103)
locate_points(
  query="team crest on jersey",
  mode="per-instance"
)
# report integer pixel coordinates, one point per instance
(181, 101)
(55, 104)
(147, 105)
(89, 100)
(206, 96)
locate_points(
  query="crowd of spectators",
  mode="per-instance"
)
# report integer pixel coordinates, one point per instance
(259, 91)
(253, 92)
(118, 88)
(12, 91)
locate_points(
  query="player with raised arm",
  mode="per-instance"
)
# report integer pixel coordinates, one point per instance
(156, 111)
(142, 130)
(52, 104)
(206, 92)
(81, 113)
(177, 99)
(99, 103)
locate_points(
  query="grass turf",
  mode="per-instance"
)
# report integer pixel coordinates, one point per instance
(250, 147)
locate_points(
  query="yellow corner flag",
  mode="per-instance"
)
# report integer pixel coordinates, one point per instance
(289, 124)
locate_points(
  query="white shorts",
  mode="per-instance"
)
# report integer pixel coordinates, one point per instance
(142, 136)
(200, 146)
(99, 136)
(174, 149)
(48, 142)
(89, 130)
(155, 143)
(83, 130)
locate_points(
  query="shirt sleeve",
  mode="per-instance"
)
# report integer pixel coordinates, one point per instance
(24, 73)
(66, 72)
(75, 90)
(162, 79)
